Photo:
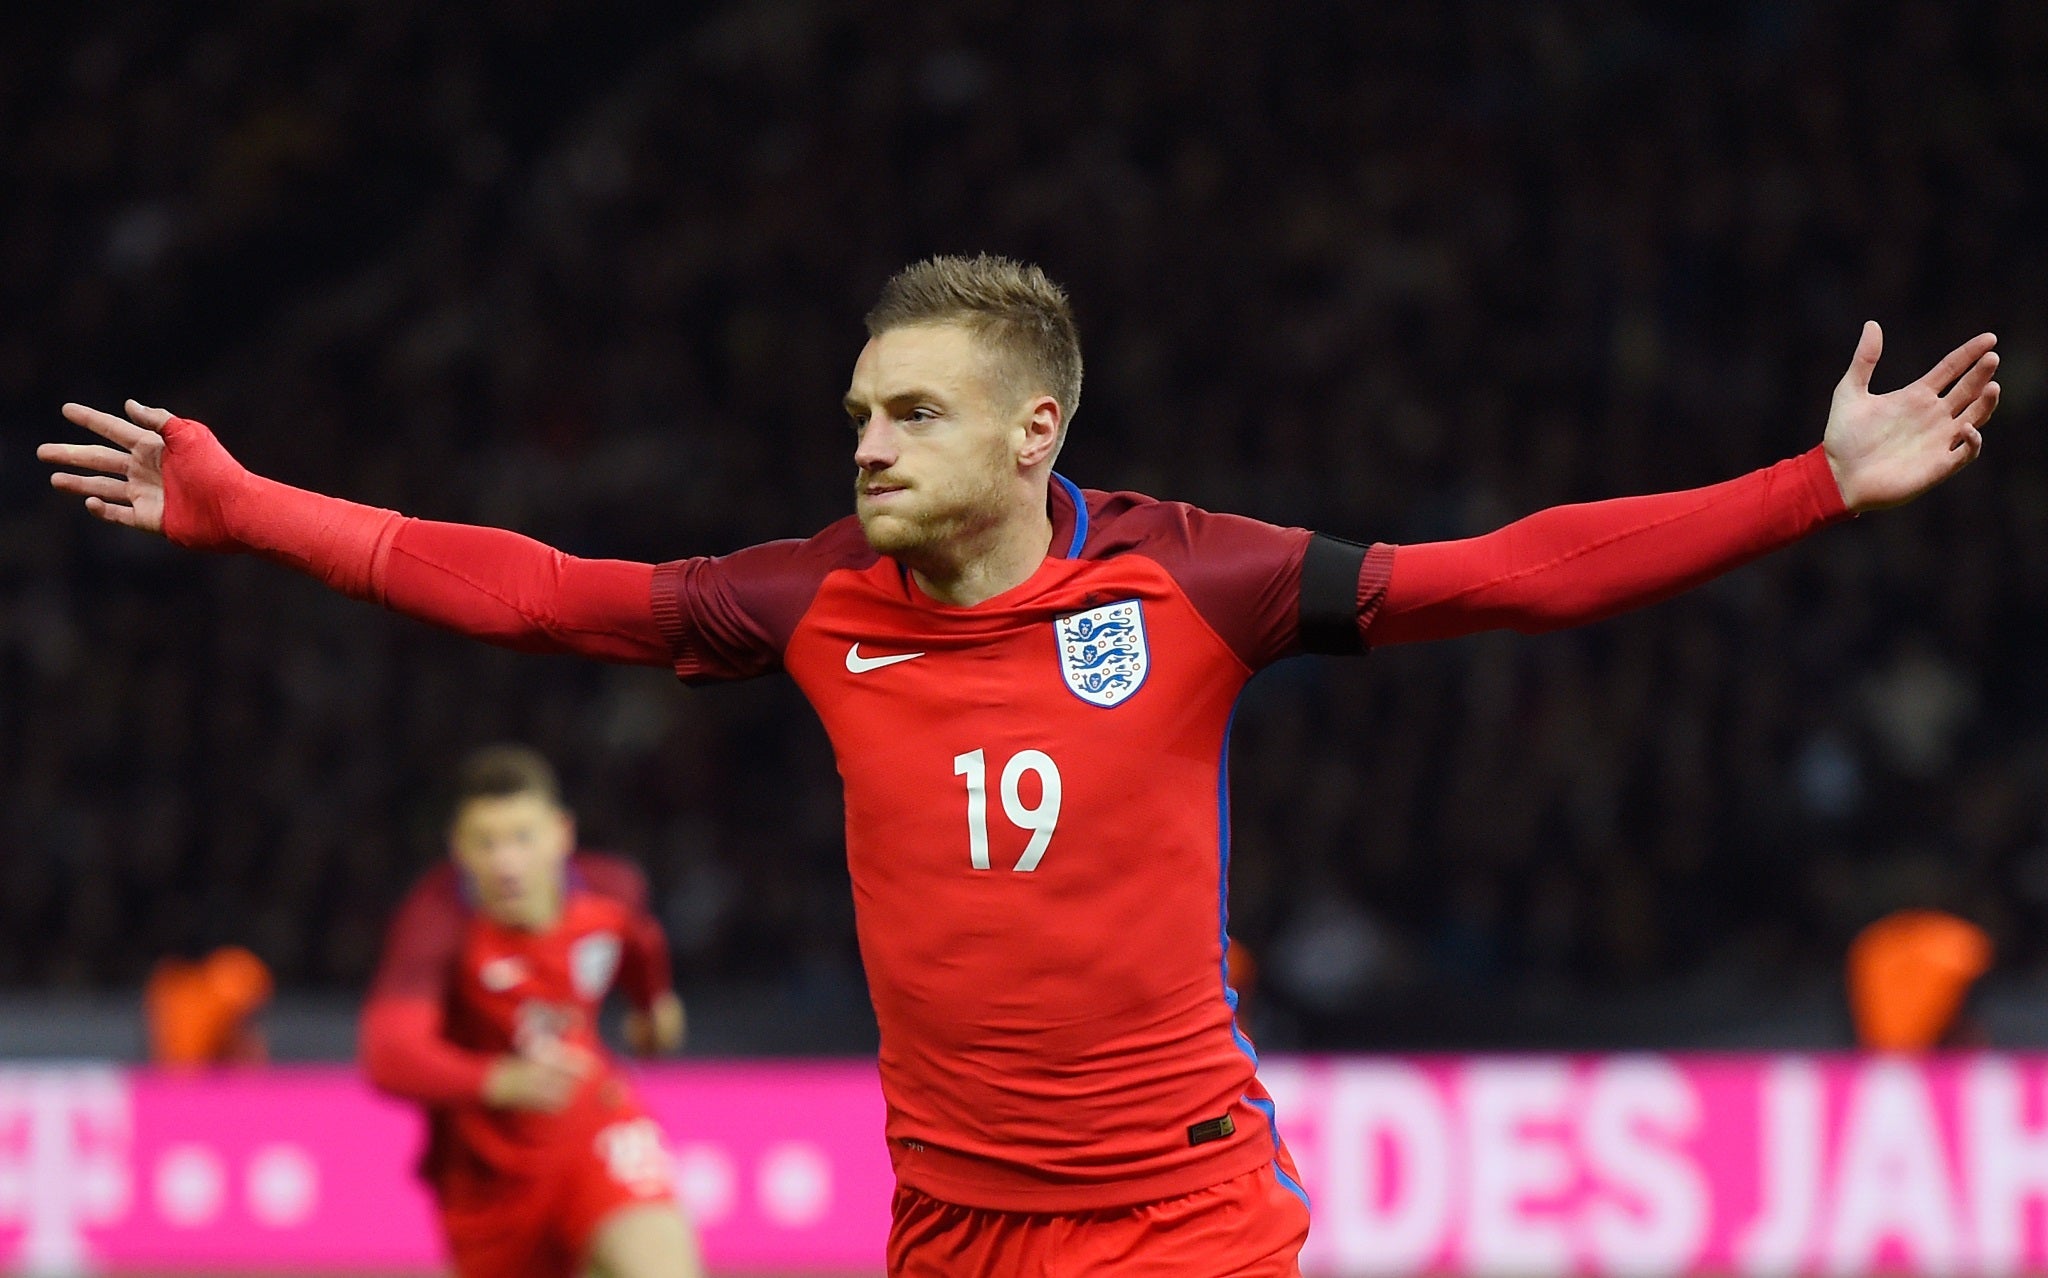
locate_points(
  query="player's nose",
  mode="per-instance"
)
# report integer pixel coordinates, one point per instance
(875, 448)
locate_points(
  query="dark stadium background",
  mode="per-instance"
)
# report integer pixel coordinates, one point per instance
(595, 271)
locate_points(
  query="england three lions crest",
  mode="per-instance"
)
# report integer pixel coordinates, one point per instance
(1103, 654)
(593, 961)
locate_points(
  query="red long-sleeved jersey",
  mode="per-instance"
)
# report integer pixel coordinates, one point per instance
(1036, 786)
(456, 990)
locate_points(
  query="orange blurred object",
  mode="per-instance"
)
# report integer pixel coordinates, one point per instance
(1908, 975)
(1240, 968)
(199, 1012)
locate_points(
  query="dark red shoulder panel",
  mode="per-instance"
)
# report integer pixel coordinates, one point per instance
(1242, 575)
(730, 617)
(424, 937)
(643, 967)
(611, 876)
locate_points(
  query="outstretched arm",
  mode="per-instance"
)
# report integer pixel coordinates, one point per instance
(1574, 564)
(168, 475)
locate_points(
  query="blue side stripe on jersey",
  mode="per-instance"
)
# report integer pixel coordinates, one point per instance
(1223, 929)
(1080, 515)
(1223, 885)
(1292, 1185)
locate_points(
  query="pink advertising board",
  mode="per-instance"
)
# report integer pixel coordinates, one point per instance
(782, 1165)
(1512, 1165)
(1659, 1165)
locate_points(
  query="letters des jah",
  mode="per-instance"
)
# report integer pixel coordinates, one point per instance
(1755, 1165)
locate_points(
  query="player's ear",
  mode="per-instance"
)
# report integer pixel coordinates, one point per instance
(1041, 431)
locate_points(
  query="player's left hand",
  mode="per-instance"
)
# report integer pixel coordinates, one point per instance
(658, 1030)
(1885, 450)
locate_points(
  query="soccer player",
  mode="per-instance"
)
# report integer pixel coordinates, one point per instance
(1028, 688)
(484, 1011)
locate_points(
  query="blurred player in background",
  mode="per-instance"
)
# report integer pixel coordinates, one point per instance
(484, 1010)
(1028, 687)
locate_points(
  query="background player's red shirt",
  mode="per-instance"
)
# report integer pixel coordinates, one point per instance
(455, 990)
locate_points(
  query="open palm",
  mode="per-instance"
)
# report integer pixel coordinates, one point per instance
(128, 488)
(1886, 450)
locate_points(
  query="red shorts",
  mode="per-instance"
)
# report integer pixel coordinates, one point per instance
(1249, 1227)
(539, 1226)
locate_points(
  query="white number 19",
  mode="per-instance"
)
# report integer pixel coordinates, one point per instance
(1040, 820)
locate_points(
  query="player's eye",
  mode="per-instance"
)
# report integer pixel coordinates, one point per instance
(921, 415)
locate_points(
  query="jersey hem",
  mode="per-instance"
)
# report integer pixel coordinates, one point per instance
(966, 1181)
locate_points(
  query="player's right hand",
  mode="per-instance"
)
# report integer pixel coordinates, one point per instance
(543, 1076)
(163, 474)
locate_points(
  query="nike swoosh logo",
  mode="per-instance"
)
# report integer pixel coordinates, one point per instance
(501, 974)
(857, 664)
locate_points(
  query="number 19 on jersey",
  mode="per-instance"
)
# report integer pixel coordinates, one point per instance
(1040, 819)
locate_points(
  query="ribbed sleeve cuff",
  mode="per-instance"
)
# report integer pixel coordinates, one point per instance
(1820, 482)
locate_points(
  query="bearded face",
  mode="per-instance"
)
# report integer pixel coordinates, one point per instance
(935, 455)
(909, 510)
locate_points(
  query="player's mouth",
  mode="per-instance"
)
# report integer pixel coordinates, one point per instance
(510, 892)
(881, 492)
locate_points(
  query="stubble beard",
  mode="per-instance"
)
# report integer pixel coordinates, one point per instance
(942, 534)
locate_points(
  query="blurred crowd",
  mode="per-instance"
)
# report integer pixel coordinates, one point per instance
(595, 272)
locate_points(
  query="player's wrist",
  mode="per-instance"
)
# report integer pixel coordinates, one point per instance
(204, 488)
(1830, 482)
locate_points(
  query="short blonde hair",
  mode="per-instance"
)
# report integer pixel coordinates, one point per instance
(1011, 306)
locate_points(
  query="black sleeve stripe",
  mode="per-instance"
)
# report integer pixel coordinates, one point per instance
(1329, 595)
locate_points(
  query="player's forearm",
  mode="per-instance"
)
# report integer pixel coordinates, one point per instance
(513, 591)
(1575, 564)
(404, 1054)
(339, 542)
(211, 502)
(484, 582)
